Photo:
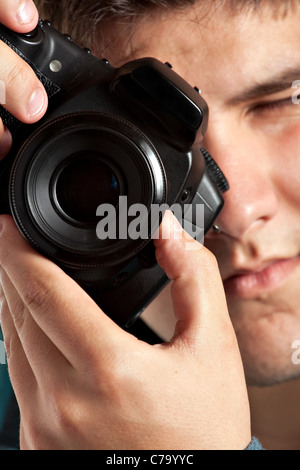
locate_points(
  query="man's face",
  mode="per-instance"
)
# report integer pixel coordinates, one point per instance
(245, 66)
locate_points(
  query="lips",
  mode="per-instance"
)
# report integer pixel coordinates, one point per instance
(249, 283)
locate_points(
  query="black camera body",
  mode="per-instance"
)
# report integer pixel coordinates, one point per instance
(133, 131)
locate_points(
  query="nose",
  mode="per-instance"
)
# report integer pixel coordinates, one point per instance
(252, 199)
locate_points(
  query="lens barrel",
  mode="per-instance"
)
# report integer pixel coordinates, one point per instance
(66, 170)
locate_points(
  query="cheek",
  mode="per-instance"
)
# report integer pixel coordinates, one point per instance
(284, 149)
(267, 349)
(266, 329)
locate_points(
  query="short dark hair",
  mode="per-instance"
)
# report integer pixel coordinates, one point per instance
(83, 18)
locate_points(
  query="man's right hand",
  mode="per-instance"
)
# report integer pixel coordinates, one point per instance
(25, 96)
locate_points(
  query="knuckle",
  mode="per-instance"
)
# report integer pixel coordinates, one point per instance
(108, 376)
(15, 311)
(231, 344)
(29, 432)
(61, 414)
(19, 315)
(33, 433)
(208, 258)
(7, 347)
(2, 296)
(58, 409)
(17, 76)
(4, 250)
(226, 338)
(67, 414)
(37, 293)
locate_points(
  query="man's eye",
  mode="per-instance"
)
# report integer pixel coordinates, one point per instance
(269, 106)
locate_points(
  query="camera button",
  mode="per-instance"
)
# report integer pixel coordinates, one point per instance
(31, 34)
(55, 66)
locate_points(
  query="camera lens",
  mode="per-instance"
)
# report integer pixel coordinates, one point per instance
(83, 184)
(66, 170)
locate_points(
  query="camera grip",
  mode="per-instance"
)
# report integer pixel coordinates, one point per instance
(43, 47)
(9, 120)
(13, 123)
(51, 88)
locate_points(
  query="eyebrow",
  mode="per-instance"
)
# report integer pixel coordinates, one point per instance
(278, 83)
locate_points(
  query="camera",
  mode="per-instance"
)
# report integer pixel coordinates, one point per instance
(110, 135)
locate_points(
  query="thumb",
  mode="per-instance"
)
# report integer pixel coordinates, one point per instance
(198, 296)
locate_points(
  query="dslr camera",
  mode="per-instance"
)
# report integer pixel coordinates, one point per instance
(110, 134)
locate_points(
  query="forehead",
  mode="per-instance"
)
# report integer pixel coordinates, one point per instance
(216, 46)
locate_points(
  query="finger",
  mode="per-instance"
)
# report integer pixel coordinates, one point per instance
(5, 141)
(197, 292)
(20, 372)
(38, 348)
(22, 94)
(66, 314)
(19, 15)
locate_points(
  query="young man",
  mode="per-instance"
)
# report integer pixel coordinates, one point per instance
(72, 369)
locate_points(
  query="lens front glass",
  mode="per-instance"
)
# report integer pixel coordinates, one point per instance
(84, 183)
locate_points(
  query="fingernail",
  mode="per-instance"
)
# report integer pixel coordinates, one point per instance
(170, 228)
(176, 225)
(25, 12)
(5, 143)
(36, 103)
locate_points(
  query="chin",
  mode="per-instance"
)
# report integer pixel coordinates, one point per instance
(266, 344)
(259, 374)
